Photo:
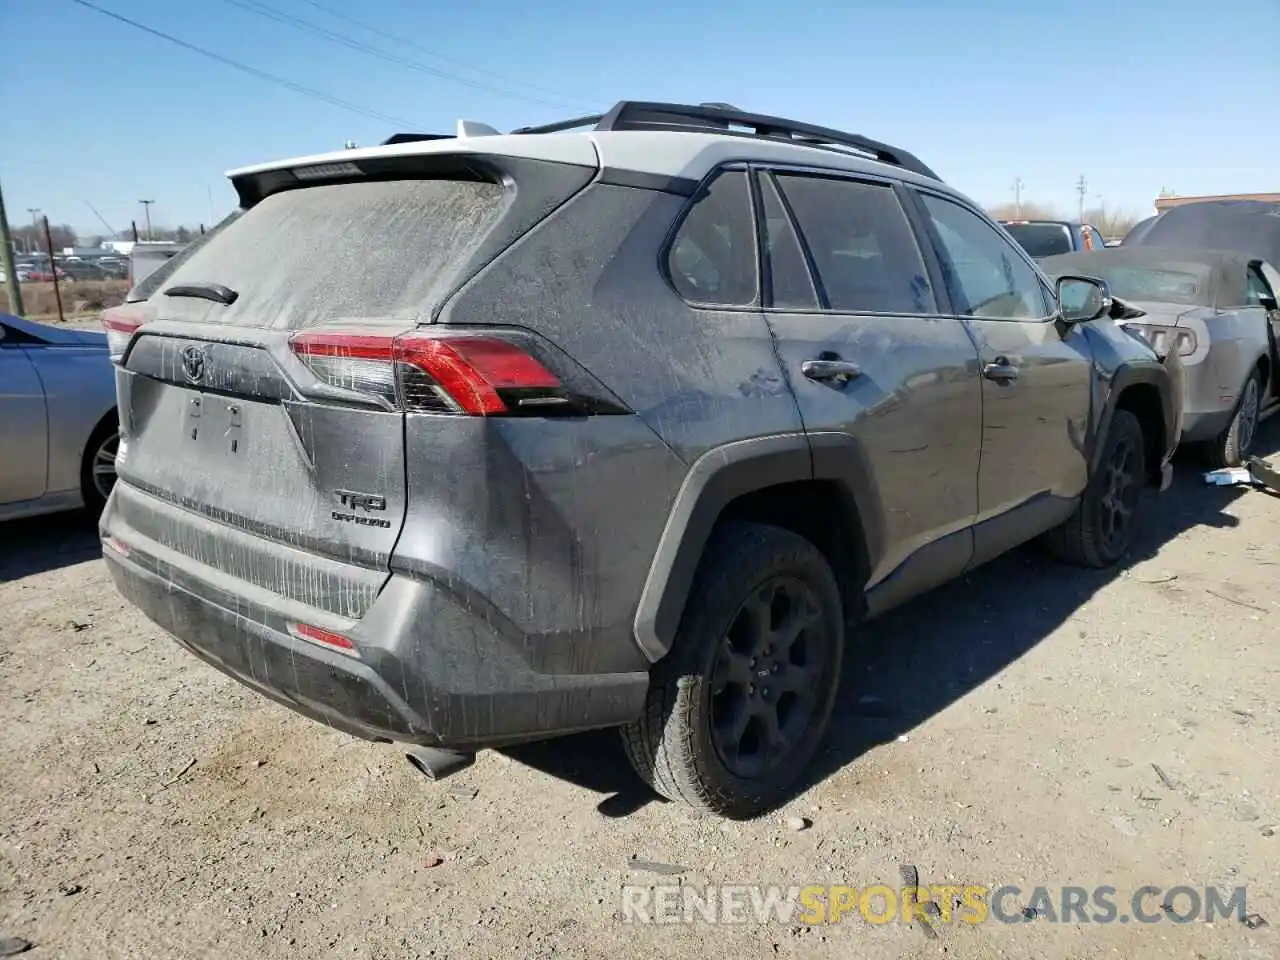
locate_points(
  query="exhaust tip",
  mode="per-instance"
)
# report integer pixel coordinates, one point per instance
(436, 764)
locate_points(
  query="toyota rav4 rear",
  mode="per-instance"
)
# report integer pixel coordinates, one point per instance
(360, 512)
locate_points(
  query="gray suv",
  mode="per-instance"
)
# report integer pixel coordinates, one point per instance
(627, 421)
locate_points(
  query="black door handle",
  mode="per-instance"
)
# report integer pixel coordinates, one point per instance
(840, 371)
(1001, 371)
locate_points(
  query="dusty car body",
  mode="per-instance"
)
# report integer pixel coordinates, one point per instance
(386, 490)
(1217, 310)
(58, 432)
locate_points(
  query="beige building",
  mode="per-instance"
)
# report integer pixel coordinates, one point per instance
(1164, 203)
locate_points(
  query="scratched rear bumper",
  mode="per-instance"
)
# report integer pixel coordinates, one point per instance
(427, 670)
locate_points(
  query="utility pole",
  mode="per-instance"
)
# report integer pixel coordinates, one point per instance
(53, 268)
(6, 257)
(1082, 187)
(146, 207)
(1017, 195)
(34, 245)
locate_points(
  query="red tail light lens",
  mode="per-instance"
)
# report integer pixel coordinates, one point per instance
(121, 323)
(472, 370)
(480, 374)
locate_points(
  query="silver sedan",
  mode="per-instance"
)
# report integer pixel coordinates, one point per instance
(58, 426)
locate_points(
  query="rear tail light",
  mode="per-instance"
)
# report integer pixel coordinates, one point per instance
(326, 638)
(1165, 340)
(483, 373)
(121, 323)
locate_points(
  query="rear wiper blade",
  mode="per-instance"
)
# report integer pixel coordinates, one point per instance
(204, 291)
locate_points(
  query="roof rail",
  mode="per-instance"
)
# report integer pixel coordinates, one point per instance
(644, 115)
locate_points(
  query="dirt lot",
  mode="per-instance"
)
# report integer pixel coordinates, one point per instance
(1001, 731)
(82, 300)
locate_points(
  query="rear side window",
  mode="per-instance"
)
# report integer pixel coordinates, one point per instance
(344, 251)
(789, 281)
(713, 254)
(861, 245)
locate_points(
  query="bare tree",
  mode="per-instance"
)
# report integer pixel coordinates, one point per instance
(1030, 211)
(1112, 223)
(28, 239)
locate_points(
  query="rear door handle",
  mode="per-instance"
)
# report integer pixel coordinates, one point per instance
(1001, 371)
(840, 371)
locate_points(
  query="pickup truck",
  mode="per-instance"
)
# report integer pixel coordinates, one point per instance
(1045, 238)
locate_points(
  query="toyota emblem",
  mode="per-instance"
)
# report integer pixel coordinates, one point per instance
(193, 364)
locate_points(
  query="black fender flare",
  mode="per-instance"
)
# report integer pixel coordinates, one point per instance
(1166, 377)
(716, 479)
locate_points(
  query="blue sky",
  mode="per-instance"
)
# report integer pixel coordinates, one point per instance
(1135, 95)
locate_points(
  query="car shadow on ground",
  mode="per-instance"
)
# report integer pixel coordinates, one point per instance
(914, 662)
(41, 544)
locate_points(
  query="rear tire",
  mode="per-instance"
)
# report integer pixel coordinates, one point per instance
(97, 467)
(1231, 446)
(1101, 530)
(762, 637)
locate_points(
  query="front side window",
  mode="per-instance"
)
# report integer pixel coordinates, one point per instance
(1258, 288)
(861, 245)
(713, 256)
(989, 279)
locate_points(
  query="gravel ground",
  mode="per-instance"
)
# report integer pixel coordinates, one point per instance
(1002, 730)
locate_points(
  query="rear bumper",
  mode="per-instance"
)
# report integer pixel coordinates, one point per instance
(425, 670)
(1205, 425)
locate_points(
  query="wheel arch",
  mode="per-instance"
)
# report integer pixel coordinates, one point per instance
(817, 486)
(1143, 390)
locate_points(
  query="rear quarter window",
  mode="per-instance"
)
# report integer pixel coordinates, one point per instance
(712, 258)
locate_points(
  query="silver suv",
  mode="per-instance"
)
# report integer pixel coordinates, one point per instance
(626, 421)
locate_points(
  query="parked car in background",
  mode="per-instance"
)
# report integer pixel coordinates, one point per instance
(58, 425)
(82, 270)
(42, 273)
(148, 257)
(1217, 309)
(1044, 238)
(1251, 227)
(378, 426)
(114, 267)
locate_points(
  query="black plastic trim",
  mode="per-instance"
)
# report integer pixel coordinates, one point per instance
(618, 177)
(716, 478)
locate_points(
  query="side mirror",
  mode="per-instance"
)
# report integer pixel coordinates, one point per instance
(1268, 303)
(1081, 299)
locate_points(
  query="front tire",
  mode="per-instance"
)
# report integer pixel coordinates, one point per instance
(1101, 530)
(738, 707)
(1230, 447)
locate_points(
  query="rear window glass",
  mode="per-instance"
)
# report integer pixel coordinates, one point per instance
(334, 252)
(1041, 239)
(1148, 283)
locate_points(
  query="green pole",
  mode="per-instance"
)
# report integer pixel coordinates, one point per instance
(6, 257)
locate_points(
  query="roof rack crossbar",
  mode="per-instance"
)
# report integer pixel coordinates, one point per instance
(646, 115)
(561, 125)
(633, 115)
